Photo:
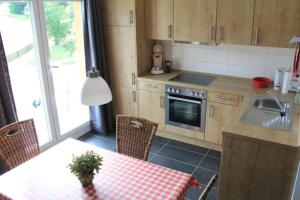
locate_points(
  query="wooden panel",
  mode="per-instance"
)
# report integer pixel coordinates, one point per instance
(216, 118)
(151, 86)
(159, 19)
(253, 170)
(224, 98)
(195, 20)
(235, 21)
(152, 106)
(275, 22)
(120, 49)
(124, 101)
(118, 12)
(185, 132)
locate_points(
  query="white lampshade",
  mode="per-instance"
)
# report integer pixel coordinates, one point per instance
(95, 91)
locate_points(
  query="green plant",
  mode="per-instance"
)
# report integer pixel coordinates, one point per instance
(86, 164)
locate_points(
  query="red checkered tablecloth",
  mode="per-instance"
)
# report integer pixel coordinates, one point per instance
(121, 177)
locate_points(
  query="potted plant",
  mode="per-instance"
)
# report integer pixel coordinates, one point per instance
(85, 166)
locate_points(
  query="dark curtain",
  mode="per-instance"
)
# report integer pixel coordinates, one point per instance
(8, 113)
(101, 116)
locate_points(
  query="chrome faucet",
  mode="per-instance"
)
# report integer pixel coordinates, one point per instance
(282, 107)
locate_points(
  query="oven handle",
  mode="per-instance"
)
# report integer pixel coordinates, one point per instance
(185, 100)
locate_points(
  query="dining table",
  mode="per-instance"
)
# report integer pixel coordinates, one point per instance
(47, 176)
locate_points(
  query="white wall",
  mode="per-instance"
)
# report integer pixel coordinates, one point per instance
(232, 60)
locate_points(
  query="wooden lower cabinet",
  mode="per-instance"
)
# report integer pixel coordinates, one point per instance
(217, 115)
(152, 106)
(124, 101)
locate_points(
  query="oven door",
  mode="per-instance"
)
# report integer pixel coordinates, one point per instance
(185, 112)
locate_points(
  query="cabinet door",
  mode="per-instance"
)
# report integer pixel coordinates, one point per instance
(195, 20)
(276, 22)
(152, 106)
(216, 117)
(235, 21)
(159, 19)
(120, 46)
(124, 101)
(118, 12)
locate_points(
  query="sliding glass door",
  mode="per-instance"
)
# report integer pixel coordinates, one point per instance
(43, 41)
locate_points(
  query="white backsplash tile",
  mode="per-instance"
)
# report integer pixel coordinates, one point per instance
(232, 60)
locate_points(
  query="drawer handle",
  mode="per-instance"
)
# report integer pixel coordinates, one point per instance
(225, 98)
(151, 86)
(162, 100)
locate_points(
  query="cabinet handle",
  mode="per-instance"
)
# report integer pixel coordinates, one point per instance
(225, 98)
(131, 17)
(162, 100)
(221, 33)
(211, 111)
(151, 86)
(212, 33)
(170, 30)
(256, 36)
(134, 96)
(133, 78)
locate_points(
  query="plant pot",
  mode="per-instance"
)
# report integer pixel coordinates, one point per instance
(87, 180)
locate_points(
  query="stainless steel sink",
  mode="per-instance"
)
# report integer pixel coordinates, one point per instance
(264, 111)
(268, 104)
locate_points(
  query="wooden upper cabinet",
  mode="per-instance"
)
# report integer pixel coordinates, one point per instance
(118, 12)
(159, 19)
(235, 21)
(120, 46)
(195, 20)
(275, 22)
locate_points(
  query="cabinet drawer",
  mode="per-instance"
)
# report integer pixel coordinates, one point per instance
(230, 99)
(150, 86)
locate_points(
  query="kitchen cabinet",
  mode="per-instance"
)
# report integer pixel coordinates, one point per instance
(275, 22)
(216, 117)
(159, 19)
(195, 20)
(235, 21)
(152, 106)
(124, 100)
(120, 46)
(118, 12)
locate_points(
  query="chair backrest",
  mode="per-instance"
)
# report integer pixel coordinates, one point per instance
(18, 143)
(134, 136)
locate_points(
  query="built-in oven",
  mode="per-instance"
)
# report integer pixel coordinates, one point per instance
(186, 107)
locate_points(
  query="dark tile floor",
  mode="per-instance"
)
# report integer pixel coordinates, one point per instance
(202, 163)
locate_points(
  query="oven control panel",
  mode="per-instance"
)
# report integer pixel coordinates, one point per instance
(186, 91)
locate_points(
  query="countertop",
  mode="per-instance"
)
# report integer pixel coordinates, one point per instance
(243, 87)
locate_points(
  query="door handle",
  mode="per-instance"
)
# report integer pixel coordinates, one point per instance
(212, 33)
(170, 30)
(162, 100)
(211, 111)
(133, 78)
(221, 33)
(256, 36)
(131, 17)
(134, 96)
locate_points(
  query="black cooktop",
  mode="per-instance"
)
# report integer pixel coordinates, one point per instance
(194, 79)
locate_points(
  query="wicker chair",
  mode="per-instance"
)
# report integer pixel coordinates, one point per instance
(18, 143)
(134, 136)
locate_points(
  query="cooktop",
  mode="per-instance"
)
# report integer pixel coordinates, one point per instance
(194, 79)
